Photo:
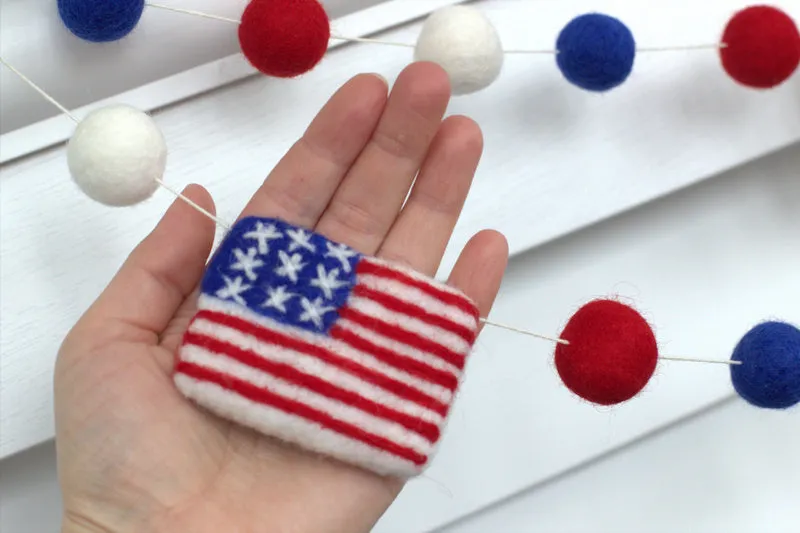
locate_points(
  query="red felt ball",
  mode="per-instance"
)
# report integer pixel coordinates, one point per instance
(762, 47)
(284, 38)
(612, 353)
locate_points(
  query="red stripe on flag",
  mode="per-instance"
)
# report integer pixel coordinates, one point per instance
(399, 388)
(265, 397)
(404, 336)
(412, 366)
(320, 386)
(366, 267)
(399, 306)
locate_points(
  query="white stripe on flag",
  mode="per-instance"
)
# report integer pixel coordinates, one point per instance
(399, 347)
(292, 428)
(439, 392)
(346, 413)
(315, 367)
(415, 296)
(409, 323)
(413, 274)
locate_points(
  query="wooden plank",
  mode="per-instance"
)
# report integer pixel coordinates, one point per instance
(195, 81)
(557, 159)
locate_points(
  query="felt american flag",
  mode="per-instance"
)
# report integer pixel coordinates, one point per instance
(305, 340)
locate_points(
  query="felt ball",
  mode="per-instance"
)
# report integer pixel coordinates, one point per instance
(595, 52)
(611, 355)
(464, 42)
(769, 375)
(100, 21)
(284, 38)
(761, 47)
(116, 154)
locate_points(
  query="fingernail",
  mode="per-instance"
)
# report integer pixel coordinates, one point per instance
(380, 77)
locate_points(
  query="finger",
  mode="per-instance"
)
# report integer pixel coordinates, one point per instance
(480, 268)
(302, 184)
(159, 274)
(423, 228)
(367, 203)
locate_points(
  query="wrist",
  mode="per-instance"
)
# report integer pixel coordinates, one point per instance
(335, 498)
(72, 523)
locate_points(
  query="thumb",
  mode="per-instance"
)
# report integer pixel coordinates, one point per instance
(157, 276)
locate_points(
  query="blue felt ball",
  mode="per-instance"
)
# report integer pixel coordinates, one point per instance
(100, 21)
(596, 52)
(769, 375)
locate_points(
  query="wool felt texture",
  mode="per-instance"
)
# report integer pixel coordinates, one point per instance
(595, 52)
(769, 375)
(463, 41)
(303, 339)
(100, 21)
(116, 154)
(284, 38)
(612, 353)
(762, 47)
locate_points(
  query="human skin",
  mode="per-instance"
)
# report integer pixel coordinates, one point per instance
(136, 456)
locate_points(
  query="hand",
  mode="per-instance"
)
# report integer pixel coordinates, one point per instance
(133, 454)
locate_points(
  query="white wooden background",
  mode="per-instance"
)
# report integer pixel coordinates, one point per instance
(732, 469)
(167, 58)
(82, 73)
(557, 159)
(703, 265)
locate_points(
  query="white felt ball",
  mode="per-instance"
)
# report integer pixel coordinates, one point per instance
(116, 154)
(466, 45)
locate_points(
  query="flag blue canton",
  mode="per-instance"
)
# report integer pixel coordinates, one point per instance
(283, 272)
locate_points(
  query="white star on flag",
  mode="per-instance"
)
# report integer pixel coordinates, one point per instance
(278, 296)
(263, 233)
(247, 263)
(313, 311)
(327, 282)
(341, 253)
(290, 265)
(233, 289)
(300, 239)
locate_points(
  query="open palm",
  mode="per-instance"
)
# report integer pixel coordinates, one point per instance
(136, 456)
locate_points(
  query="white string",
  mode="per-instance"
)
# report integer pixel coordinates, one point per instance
(566, 343)
(39, 90)
(368, 40)
(218, 221)
(541, 51)
(194, 205)
(528, 51)
(679, 48)
(192, 12)
(638, 50)
(64, 110)
(524, 332)
(695, 360)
